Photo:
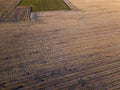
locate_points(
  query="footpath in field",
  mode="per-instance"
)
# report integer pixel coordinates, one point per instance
(9, 11)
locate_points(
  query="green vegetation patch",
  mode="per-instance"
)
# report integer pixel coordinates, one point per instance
(44, 5)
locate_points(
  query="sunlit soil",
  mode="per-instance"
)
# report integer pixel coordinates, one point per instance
(63, 50)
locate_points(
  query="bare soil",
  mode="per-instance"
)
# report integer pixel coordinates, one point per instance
(9, 11)
(63, 50)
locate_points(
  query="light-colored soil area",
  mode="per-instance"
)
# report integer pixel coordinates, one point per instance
(96, 4)
(63, 50)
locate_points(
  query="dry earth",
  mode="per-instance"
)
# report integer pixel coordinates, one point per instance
(63, 50)
(10, 12)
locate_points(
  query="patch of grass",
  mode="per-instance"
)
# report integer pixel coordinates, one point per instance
(44, 5)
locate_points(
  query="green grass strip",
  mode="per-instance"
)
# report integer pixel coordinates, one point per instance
(44, 5)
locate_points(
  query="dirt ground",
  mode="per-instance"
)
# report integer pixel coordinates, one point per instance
(10, 12)
(63, 50)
